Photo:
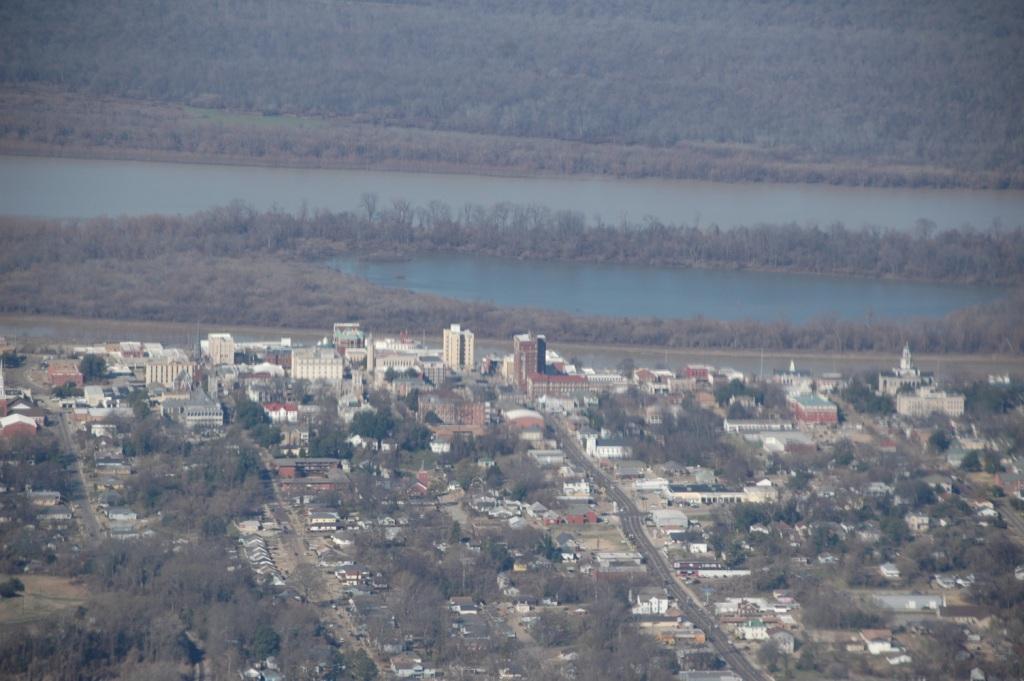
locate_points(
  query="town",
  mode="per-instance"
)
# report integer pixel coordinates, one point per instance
(386, 507)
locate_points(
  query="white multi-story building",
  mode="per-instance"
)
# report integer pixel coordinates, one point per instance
(928, 401)
(318, 364)
(220, 347)
(167, 367)
(457, 348)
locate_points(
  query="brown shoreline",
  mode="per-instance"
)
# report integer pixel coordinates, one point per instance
(877, 174)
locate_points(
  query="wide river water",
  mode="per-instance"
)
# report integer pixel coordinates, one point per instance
(60, 187)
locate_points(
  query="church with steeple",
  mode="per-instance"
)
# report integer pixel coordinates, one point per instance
(905, 376)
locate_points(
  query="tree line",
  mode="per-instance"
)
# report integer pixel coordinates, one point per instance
(969, 255)
(235, 266)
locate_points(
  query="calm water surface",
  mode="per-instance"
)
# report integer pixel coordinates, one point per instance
(619, 290)
(56, 187)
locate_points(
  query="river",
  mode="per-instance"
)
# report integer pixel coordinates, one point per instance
(632, 291)
(62, 188)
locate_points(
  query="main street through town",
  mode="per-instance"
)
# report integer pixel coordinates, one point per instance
(633, 525)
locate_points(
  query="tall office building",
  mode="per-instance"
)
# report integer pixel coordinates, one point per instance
(221, 348)
(528, 357)
(457, 348)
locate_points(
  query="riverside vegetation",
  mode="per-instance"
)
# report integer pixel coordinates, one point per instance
(235, 265)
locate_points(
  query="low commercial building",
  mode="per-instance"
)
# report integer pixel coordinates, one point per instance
(704, 494)
(908, 602)
(293, 468)
(42, 497)
(548, 458)
(754, 425)
(669, 519)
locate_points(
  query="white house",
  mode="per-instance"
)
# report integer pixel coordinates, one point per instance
(877, 641)
(576, 489)
(651, 601)
(607, 448)
(282, 412)
(752, 630)
(889, 570)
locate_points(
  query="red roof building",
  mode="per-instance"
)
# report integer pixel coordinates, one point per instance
(16, 424)
(282, 412)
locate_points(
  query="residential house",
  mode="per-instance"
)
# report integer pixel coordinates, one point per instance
(752, 630)
(917, 522)
(889, 570)
(877, 641)
(282, 412)
(121, 514)
(651, 601)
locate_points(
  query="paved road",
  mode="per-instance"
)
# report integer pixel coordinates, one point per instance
(90, 526)
(632, 524)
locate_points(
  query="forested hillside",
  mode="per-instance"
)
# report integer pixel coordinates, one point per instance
(934, 85)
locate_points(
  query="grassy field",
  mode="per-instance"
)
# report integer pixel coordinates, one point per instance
(43, 596)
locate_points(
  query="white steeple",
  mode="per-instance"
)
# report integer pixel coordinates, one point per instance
(3, 392)
(906, 362)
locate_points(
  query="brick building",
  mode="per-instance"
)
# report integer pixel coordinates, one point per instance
(64, 371)
(529, 356)
(813, 409)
